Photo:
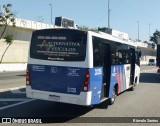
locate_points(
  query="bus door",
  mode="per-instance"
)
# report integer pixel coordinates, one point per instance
(106, 69)
(102, 59)
(132, 59)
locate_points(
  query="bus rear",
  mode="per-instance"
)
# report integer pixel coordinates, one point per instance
(158, 57)
(58, 66)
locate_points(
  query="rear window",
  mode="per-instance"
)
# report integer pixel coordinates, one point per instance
(58, 45)
(151, 60)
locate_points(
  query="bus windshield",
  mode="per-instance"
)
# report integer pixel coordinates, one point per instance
(59, 45)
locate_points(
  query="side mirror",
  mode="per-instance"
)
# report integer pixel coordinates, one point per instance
(139, 53)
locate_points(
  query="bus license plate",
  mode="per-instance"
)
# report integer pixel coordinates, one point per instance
(54, 98)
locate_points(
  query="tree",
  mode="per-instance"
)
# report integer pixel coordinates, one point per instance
(9, 39)
(153, 45)
(85, 28)
(6, 17)
(145, 42)
(155, 37)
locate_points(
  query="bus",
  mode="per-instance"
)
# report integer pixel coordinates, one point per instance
(158, 56)
(80, 67)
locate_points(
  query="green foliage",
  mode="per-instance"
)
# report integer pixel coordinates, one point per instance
(153, 45)
(5, 14)
(155, 37)
(85, 28)
(6, 17)
(9, 39)
(145, 42)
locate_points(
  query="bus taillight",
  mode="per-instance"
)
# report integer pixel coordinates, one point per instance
(86, 83)
(27, 77)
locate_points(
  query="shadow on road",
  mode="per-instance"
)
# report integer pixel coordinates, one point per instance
(150, 78)
(22, 75)
(50, 112)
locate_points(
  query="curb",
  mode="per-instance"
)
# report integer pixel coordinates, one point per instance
(148, 70)
(12, 67)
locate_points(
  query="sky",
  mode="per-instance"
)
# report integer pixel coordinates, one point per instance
(124, 15)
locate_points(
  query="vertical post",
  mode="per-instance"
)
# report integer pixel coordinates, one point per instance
(109, 14)
(138, 30)
(149, 31)
(51, 13)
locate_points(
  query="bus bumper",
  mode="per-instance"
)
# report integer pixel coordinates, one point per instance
(83, 99)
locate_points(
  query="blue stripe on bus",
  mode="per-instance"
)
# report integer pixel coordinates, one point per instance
(68, 80)
(118, 76)
(57, 79)
(96, 75)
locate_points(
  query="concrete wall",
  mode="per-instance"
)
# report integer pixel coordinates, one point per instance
(147, 53)
(27, 24)
(16, 53)
(145, 59)
(18, 33)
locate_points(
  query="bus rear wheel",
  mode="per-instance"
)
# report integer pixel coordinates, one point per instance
(113, 98)
(132, 88)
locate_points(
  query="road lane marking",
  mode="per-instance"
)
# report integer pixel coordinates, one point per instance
(18, 91)
(20, 103)
(11, 89)
(12, 99)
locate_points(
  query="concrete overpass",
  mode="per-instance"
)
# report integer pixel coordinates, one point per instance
(18, 51)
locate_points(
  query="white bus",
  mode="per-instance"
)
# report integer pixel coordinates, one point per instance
(80, 67)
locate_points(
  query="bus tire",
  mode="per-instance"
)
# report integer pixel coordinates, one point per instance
(113, 98)
(103, 105)
(132, 88)
(134, 85)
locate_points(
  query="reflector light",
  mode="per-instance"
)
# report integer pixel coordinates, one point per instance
(87, 76)
(85, 88)
(86, 83)
(27, 82)
(27, 77)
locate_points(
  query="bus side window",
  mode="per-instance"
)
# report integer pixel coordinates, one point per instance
(137, 58)
(97, 52)
(125, 57)
(120, 57)
(128, 57)
(115, 59)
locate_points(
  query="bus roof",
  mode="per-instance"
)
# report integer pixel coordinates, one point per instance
(98, 34)
(112, 38)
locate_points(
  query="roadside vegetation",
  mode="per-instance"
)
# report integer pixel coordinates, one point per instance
(6, 18)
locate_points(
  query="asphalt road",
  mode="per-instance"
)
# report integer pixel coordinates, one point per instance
(143, 102)
(12, 80)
